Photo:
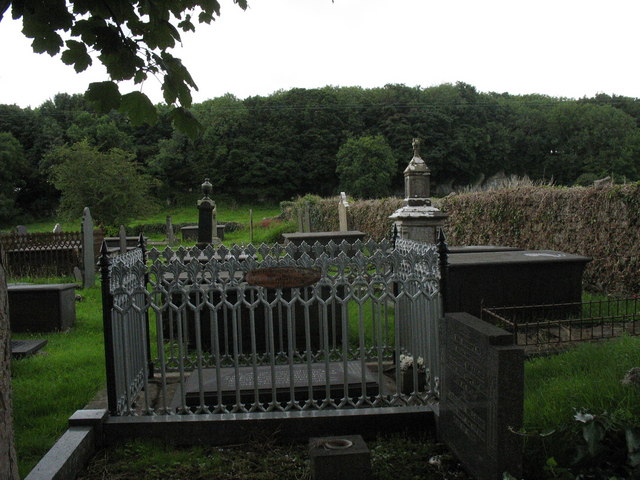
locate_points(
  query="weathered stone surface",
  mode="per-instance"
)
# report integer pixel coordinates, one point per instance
(481, 396)
(343, 204)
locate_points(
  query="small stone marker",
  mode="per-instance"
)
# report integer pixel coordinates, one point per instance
(122, 240)
(57, 228)
(481, 396)
(88, 259)
(21, 230)
(342, 212)
(339, 458)
(207, 224)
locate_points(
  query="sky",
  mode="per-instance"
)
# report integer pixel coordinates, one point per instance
(561, 48)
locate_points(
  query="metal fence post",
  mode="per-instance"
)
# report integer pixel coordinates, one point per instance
(443, 253)
(107, 307)
(143, 248)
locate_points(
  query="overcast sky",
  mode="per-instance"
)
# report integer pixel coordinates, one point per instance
(563, 48)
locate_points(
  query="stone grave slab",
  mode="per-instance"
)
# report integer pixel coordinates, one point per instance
(24, 348)
(265, 381)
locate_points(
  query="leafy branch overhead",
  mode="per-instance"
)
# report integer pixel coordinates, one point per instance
(131, 38)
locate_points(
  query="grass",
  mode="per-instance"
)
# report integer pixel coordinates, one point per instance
(586, 378)
(392, 457)
(49, 386)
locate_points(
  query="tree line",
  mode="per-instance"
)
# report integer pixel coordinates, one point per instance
(308, 141)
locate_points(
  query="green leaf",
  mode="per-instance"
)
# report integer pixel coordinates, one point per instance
(104, 96)
(185, 121)
(76, 55)
(139, 108)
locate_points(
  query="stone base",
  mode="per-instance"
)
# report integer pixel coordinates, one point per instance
(332, 461)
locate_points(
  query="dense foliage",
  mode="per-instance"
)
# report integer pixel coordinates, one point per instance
(106, 182)
(286, 144)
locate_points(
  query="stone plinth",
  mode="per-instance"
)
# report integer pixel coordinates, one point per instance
(481, 396)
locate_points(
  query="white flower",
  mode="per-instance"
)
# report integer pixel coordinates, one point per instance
(583, 417)
(406, 362)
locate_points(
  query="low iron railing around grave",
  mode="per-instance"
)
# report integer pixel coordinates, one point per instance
(188, 321)
(540, 328)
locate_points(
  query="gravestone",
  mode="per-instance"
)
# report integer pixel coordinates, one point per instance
(306, 223)
(207, 224)
(21, 230)
(88, 258)
(122, 240)
(481, 396)
(57, 228)
(342, 212)
(171, 238)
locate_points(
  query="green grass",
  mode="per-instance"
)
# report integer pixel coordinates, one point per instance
(63, 377)
(586, 378)
(392, 456)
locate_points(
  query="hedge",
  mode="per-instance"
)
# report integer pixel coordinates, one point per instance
(599, 222)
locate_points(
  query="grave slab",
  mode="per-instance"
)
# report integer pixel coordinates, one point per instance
(280, 379)
(24, 348)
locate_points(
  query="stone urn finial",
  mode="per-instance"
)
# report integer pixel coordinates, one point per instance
(207, 188)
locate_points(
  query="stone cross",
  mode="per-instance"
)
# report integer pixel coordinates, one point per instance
(343, 204)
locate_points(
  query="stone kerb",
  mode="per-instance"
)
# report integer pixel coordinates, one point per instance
(481, 396)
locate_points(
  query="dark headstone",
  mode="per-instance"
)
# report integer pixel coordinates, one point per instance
(339, 458)
(481, 396)
(266, 380)
(42, 308)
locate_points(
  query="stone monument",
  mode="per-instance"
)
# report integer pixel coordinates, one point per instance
(417, 219)
(88, 258)
(207, 223)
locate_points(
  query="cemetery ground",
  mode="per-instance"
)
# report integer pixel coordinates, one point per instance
(561, 392)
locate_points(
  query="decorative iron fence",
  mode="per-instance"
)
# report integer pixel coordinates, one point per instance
(42, 254)
(245, 330)
(540, 328)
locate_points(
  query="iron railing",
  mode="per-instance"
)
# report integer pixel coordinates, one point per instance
(541, 327)
(227, 346)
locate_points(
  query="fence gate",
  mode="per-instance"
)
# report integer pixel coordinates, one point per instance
(361, 333)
